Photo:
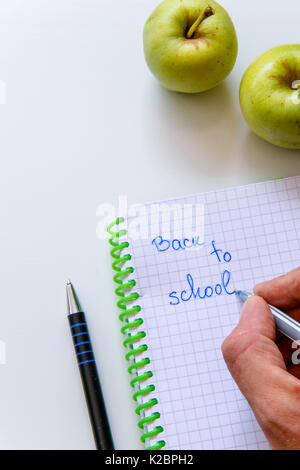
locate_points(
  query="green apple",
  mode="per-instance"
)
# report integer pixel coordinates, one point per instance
(270, 96)
(190, 45)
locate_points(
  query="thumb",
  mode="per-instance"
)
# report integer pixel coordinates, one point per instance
(251, 354)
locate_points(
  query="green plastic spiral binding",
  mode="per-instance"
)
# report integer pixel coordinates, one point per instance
(129, 329)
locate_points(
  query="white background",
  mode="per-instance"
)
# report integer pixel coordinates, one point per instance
(84, 122)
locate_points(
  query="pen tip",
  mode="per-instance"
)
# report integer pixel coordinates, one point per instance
(72, 299)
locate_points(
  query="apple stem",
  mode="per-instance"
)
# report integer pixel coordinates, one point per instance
(206, 14)
(296, 85)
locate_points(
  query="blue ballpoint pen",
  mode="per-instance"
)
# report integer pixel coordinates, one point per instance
(284, 323)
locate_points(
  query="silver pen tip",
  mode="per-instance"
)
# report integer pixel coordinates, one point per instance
(72, 299)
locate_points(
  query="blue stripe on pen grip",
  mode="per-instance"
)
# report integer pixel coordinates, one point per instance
(82, 342)
(78, 324)
(84, 352)
(85, 362)
(81, 333)
(85, 356)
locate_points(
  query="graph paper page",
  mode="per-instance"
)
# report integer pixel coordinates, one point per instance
(251, 234)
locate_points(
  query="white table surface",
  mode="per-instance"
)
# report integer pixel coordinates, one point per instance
(84, 122)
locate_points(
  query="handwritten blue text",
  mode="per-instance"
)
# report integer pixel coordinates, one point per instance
(164, 245)
(193, 292)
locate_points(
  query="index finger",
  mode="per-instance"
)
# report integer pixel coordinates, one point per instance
(283, 291)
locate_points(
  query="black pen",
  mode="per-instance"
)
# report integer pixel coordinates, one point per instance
(88, 372)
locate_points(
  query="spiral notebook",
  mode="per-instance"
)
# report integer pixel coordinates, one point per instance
(177, 264)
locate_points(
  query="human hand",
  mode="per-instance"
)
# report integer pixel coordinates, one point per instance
(261, 361)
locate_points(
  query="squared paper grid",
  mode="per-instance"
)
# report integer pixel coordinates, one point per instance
(201, 406)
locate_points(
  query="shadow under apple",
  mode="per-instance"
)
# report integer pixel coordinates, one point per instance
(266, 160)
(199, 129)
